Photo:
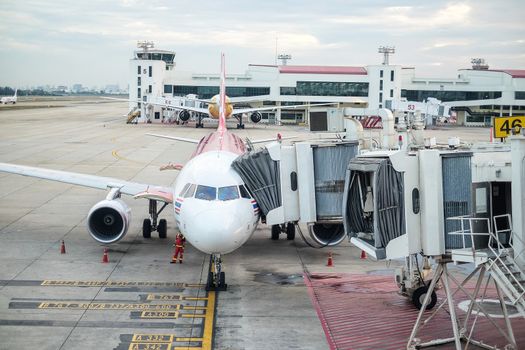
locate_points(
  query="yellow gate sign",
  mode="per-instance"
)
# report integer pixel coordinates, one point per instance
(503, 126)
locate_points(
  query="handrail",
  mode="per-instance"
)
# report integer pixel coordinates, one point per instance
(500, 250)
(464, 232)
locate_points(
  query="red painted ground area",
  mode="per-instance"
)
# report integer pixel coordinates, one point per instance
(359, 312)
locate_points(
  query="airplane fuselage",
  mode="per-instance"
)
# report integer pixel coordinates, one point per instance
(213, 208)
(214, 110)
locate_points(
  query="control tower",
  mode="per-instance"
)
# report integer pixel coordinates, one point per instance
(147, 70)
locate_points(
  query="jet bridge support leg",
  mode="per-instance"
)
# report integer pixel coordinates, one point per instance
(460, 334)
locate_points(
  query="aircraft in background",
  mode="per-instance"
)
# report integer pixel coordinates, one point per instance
(214, 106)
(211, 203)
(9, 99)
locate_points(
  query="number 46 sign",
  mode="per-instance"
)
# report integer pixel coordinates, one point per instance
(503, 126)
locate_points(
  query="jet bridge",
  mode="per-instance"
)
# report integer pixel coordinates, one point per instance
(450, 205)
(300, 183)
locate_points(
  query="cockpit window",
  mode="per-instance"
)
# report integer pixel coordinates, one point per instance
(189, 192)
(184, 189)
(206, 192)
(244, 192)
(228, 193)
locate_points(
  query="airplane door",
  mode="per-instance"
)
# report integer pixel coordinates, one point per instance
(482, 209)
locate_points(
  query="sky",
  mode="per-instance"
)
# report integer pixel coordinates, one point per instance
(64, 42)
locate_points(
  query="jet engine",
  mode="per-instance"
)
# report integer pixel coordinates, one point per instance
(327, 234)
(184, 115)
(108, 221)
(255, 117)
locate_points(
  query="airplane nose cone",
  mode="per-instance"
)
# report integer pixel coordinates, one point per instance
(216, 232)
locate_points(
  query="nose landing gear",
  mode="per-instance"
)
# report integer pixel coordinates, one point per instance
(216, 277)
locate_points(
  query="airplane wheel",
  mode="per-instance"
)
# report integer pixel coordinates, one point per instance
(290, 231)
(146, 228)
(276, 231)
(209, 282)
(419, 296)
(162, 229)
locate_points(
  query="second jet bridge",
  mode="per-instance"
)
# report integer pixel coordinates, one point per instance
(301, 183)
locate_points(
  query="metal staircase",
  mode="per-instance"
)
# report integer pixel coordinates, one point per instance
(134, 113)
(502, 264)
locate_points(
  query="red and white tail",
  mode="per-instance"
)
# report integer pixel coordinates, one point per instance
(222, 97)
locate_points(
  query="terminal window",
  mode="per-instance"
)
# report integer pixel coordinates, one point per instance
(381, 73)
(381, 85)
(150, 71)
(391, 75)
(138, 69)
(328, 88)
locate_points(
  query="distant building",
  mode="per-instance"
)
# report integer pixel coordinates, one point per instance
(77, 88)
(476, 95)
(112, 89)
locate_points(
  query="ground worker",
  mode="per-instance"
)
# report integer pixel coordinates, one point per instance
(180, 242)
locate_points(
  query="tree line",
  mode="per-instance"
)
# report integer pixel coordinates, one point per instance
(7, 91)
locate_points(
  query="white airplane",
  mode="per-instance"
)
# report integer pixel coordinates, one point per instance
(215, 213)
(9, 99)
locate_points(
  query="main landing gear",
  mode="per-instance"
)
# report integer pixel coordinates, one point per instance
(151, 224)
(240, 125)
(199, 123)
(216, 277)
(289, 228)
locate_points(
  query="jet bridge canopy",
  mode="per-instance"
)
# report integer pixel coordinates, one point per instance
(373, 203)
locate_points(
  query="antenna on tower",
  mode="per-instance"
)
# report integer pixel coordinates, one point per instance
(145, 45)
(386, 51)
(284, 57)
(479, 64)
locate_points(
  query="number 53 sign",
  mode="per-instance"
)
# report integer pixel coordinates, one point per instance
(503, 126)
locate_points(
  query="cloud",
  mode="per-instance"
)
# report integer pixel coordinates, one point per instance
(410, 18)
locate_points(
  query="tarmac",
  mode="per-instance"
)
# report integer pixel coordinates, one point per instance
(139, 300)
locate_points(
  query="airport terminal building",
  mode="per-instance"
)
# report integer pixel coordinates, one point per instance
(476, 95)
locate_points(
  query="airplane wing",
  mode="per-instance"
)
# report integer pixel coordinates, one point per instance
(103, 183)
(167, 105)
(272, 139)
(183, 139)
(270, 108)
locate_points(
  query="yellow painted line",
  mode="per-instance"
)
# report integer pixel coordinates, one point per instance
(107, 306)
(192, 316)
(188, 339)
(152, 338)
(207, 332)
(186, 307)
(194, 298)
(186, 348)
(118, 156)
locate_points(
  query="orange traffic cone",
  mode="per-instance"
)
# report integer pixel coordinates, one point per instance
(105, 258)
(330, 262)
(62, 248)
(363, 254)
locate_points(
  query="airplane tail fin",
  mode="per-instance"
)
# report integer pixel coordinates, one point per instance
(222, 97)
(16, 90)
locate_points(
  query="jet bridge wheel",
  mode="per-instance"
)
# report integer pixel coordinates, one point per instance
(419, 296)
(146, 228)
(290, 231)
(276, 231)
(162, 228)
